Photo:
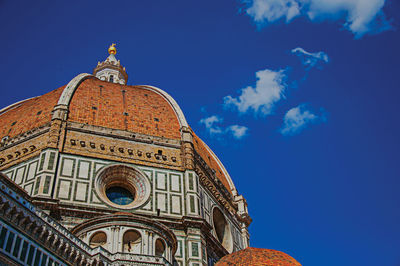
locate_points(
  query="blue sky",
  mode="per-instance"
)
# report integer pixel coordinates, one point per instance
(298, 98)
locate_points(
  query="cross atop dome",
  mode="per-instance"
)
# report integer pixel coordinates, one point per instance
(110, 69)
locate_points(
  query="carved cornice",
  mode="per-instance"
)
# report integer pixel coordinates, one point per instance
(209, 180)
(7, 143)
(124, 135)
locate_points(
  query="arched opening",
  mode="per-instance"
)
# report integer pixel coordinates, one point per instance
(160, 247)
(98, 239)
(111, 78)
(222, 229)
(131, 242)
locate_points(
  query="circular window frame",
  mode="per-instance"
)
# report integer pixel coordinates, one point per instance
(127, 177)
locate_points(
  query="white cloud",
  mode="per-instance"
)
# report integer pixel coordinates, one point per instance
(269, 89)
(237, 131)
(296, 119)
(310, 59)
(212, 125)
(273, 10)
(361, 16)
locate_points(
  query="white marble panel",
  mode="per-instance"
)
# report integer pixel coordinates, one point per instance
(84, 169)
(161, 181)
(32, 171)
(65, 189)
(81, 191)
(175, 183)
(161, 202)
(19, 175)
(67, 167)
(176, 204)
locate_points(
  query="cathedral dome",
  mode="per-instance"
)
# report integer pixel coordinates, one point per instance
(117, 176)
(258, 257)
(139, 111)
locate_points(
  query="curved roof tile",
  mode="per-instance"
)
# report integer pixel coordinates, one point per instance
(258, 257)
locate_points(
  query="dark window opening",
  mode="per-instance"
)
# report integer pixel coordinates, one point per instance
(10, 241)
(31, 254)
(16, 246)
(24, 251)
(119, 195)
(3, 236)
(111, 78)
(44, 260)
(37, 258)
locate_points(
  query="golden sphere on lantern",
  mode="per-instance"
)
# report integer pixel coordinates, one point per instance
(112, 49)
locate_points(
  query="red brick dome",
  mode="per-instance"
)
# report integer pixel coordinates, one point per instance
(90, 101)
(29, 114)
(137, 109)
(258, 257)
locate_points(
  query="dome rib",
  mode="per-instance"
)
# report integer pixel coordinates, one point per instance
(172, 102)
(69, 90)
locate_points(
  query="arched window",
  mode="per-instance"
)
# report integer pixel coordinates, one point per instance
(131, 242)
(222, 230)
(111, 78)
(160, 247)
(98, 239)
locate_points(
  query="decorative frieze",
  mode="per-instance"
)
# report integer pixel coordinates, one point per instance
(22, 151)
(208, 179)
(82, 143)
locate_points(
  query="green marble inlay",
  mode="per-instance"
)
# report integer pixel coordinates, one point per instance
(191, 185)
(46, 184)
(195, 249)
(192, 208)
(37, 185)
(51, 160)
(42, 161)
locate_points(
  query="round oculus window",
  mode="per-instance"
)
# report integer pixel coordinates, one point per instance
(122, 186)
(119, 195)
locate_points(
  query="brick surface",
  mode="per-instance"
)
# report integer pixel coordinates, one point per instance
(258, 257)
(130, 108)
(29, 114)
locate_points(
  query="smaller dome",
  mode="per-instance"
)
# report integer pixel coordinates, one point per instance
(258, 257)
